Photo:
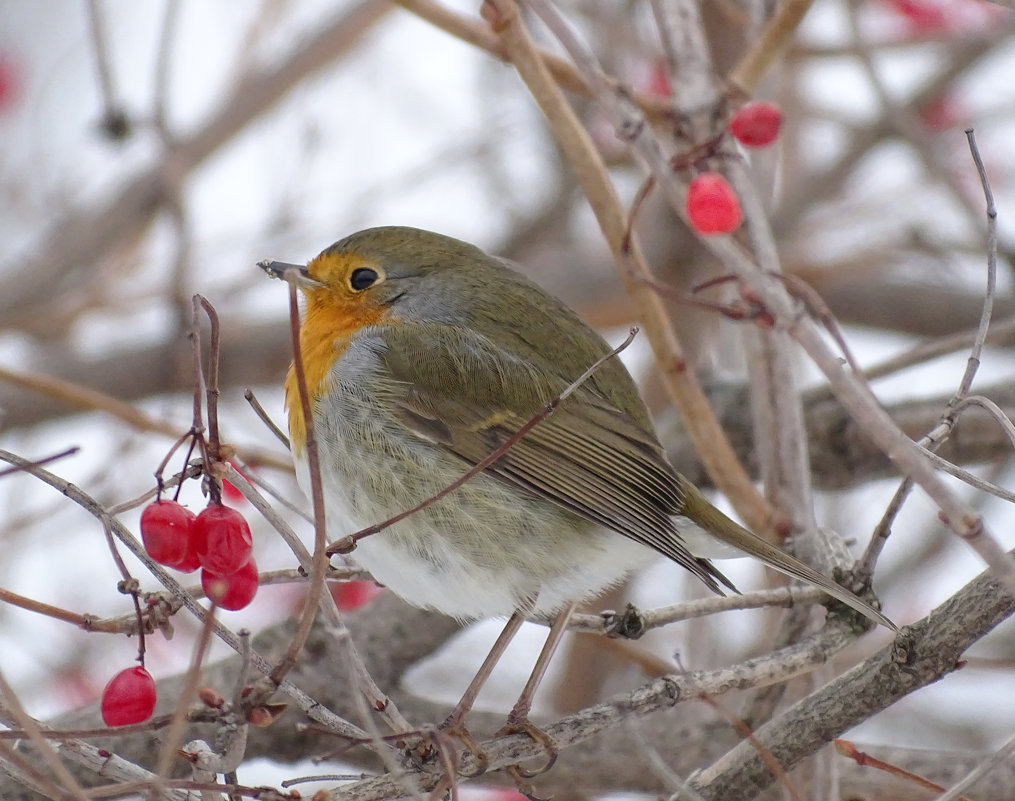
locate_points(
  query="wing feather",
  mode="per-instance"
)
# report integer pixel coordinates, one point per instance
(596, 460)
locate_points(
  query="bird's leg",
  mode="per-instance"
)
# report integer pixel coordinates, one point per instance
(454, 724)
(518, 718)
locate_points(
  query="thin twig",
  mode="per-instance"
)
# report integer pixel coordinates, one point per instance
(319, 560)
(251, 475)
(190, 471)
(648, 619)
(883, 530)
(933, 441)
(191, 437)
(318, 567)
(973, 363)
(40, 462)
(993, 410)
(255, 404)
(847, 749)
(187, 694)
(128, 584)
(966, 476)
(478, 34)
(34, 731)
(745, 77)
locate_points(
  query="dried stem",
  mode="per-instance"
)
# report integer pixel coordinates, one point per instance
(40, 462)
(255, 404)
(29, 725)
(479, 35)
(212, 384)
(188, 693)
(758, 60)
(318, 566)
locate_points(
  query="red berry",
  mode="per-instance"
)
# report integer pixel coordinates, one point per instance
(756, 124)
(10, 82)
(167, 531)
(234, 591)
(712, 205)
(921, 16)
(658, 82)
(941, 113)
(351, 595)
(129, 697)
(223, 540)
(230, 491)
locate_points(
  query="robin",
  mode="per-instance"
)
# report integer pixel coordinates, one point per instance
(422, 355)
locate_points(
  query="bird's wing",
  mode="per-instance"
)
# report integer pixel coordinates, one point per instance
(462, 391)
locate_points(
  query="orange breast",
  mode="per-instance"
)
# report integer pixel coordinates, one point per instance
(329, 323)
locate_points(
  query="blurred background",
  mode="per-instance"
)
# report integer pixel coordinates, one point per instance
(150, 151)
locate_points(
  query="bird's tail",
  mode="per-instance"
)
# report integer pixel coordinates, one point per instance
(698, 509)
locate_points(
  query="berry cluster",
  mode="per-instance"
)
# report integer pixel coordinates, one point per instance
(217, 540)
(712, 204)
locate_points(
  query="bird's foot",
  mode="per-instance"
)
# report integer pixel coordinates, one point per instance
(520, 724)
(454, 727)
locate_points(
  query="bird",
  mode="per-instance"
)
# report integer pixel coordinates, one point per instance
(423, 354)
(424, 359)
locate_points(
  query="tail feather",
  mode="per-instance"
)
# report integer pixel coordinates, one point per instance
(698, 509)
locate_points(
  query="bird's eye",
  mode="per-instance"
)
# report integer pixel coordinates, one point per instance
(362, 278)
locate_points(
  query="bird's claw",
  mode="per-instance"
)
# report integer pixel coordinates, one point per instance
(522, 725)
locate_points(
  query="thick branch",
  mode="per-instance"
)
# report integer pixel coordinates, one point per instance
(924, 653)
(393, 636)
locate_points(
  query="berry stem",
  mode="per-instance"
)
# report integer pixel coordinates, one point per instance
(128, 584)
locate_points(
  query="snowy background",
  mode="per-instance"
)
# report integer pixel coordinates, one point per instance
(407, 125)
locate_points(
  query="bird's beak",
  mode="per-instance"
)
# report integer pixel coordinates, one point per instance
(292, 273)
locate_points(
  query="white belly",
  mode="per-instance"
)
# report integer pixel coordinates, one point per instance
(481, 552)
